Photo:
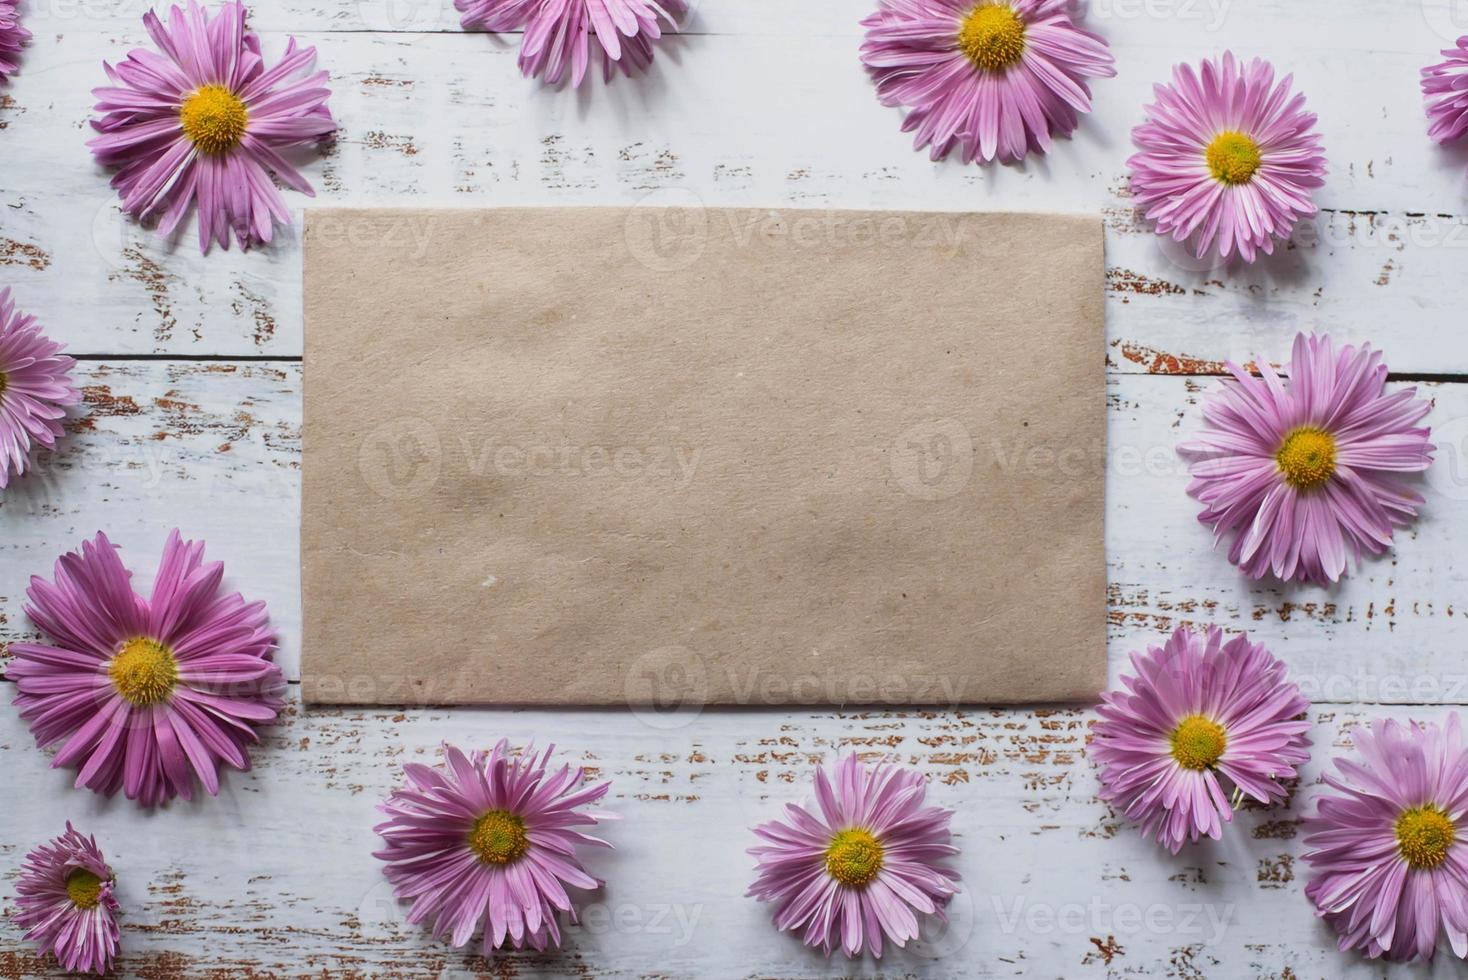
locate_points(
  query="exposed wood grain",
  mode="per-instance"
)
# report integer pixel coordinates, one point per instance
(215, 449)
(275, 877)
(446, 119)
(763, 104)
(212, 448)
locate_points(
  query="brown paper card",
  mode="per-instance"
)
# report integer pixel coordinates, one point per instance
(670, 458)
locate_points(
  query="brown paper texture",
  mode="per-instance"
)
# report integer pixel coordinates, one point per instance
(677, 457)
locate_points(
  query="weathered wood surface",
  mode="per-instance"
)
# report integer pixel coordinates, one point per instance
(275, 877)
(763, 103)
(214, 448)
(444, 118)
(1314, 23)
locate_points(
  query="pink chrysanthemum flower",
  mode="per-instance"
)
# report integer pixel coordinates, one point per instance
(1303, 473)
(206, 122)
(1198, 711)
(865, 864)
(558, 33)
(490, 841)
(147, 693)
(1388, 853)
(1445, 87)
(12, 38)
(997, 78)
(1228, 156)
(64, 900)
(35, 389)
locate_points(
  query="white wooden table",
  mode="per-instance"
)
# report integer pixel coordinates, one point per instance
(193, 379)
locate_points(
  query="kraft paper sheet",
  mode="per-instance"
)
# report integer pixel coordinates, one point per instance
(669, 458)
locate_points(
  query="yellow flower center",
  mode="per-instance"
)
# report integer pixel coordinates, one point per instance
(214, 119)
(992, 36)
(854, 857)
(143, 671)
(84, 888)
(499, 837)
(4, 383)
(1424, 834)
(1197, 742)
(1307, 457)
(1232, 157)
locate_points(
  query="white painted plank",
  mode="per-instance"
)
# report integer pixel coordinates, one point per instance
(1242, 24)
(444, 119)
(276, 877)
(211, 448)
(215, 449)
(765, 104)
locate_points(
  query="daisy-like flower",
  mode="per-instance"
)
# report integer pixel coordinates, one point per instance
(64, 900)
(35, 389)
(146, 693)
(1198, 711)
(864, 864)
(1445, 87)
(559, 33)
(1227, 156)
(12, 38)
(1388, 851)
(1301, 474)
(205, 122)
(490, 841)
(996, 78)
